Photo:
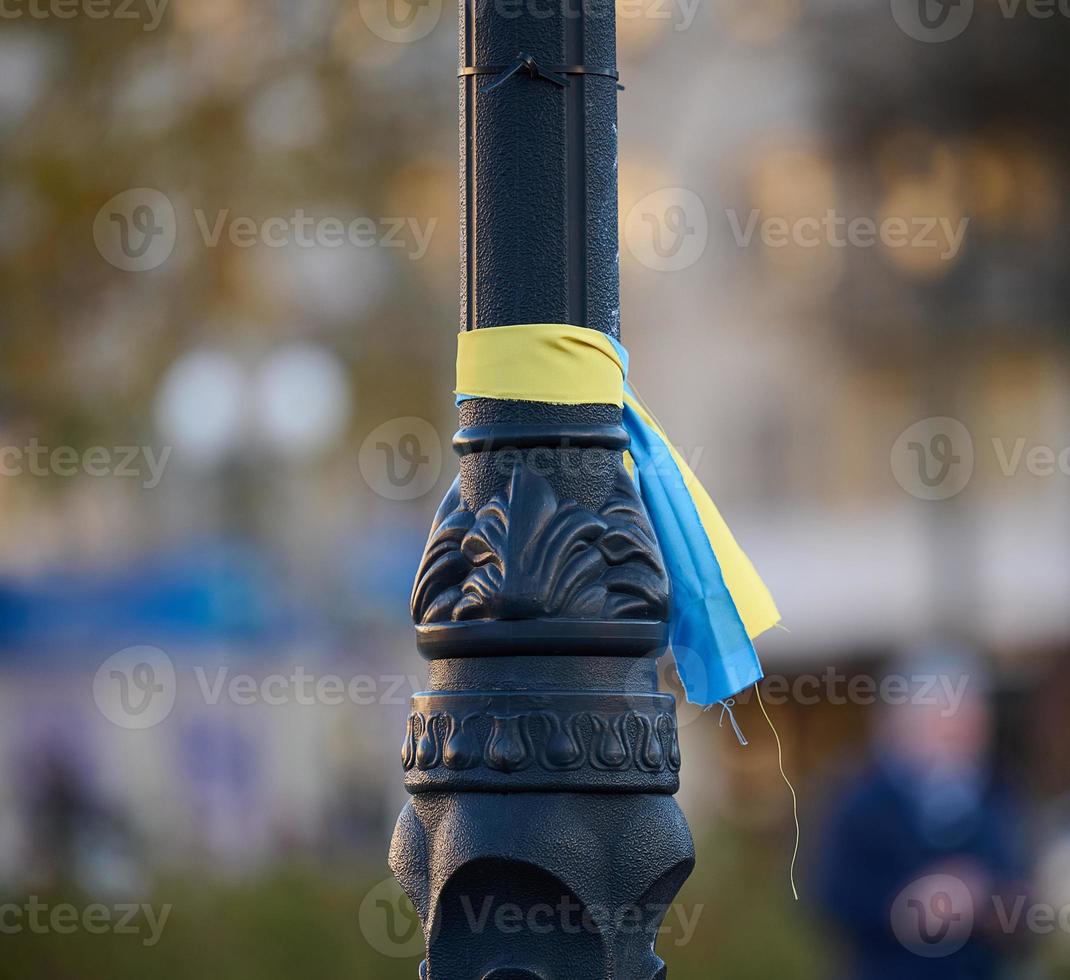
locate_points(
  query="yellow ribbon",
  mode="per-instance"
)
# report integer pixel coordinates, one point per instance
(568, 365)
(540, 362)
(753, 601)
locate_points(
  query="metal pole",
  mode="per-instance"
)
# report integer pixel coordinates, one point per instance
(542, 839)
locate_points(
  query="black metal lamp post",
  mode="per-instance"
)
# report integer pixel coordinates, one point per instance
(542, 839)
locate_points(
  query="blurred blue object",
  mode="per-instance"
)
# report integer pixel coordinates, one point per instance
(206, 591)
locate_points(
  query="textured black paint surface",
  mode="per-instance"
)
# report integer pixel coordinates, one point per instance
(538, 190)
(588, 481)
(538, 169)
(532, 555)
(464, 848)
(541, 758)
(459, 853)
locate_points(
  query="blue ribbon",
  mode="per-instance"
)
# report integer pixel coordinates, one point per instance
(714, 654)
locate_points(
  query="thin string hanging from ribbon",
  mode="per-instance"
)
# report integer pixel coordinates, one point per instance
(719, 602)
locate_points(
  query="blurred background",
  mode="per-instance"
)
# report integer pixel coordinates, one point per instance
(228, 266)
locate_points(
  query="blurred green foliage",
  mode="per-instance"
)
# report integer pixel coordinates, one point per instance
(305, 923)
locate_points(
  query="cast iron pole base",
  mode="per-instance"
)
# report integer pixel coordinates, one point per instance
(541, 841)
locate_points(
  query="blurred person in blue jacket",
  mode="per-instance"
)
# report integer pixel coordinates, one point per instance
(922, 867)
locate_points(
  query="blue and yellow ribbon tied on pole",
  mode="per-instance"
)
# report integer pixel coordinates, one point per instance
(719, 602)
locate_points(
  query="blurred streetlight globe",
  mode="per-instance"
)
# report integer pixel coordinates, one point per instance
(302, 400)
(199, 406)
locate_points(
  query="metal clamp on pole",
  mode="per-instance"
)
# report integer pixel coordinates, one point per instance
(526, 63)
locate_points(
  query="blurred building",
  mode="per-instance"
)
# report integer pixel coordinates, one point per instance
(832, 229)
